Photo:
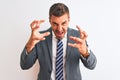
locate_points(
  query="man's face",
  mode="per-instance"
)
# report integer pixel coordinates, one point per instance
(59, 25)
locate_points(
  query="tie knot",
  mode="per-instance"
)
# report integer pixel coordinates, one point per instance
(59, 40)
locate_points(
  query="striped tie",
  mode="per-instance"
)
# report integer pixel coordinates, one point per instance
(59, 61)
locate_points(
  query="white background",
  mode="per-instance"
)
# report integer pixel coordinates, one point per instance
(99, 18)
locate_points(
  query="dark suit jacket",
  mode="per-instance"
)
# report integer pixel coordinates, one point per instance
(43, 52)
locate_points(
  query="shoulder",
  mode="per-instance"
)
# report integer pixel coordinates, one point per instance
(73, 32)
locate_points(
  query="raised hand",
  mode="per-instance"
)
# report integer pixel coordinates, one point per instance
(80, 43)
(35, 35)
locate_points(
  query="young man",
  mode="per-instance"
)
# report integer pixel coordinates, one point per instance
(57, 64)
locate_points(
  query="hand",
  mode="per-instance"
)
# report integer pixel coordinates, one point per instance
(80, 43)
(35, 35)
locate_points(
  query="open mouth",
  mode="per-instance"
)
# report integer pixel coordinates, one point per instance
(59, 34)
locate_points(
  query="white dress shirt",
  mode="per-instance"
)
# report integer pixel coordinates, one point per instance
(54, 48)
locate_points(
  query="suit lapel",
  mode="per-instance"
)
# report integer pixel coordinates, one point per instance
(49, 44)
(69, 33)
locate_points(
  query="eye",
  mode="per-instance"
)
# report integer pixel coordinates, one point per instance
(64, 23)
(55, 24)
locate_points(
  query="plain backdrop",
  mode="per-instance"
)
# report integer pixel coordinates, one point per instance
(99, 18)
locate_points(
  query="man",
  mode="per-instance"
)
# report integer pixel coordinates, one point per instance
(43, 46)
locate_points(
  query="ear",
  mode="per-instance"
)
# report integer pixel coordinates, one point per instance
(68, 18)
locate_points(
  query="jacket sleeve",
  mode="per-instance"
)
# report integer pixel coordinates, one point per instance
(27, 60)
(90, 61)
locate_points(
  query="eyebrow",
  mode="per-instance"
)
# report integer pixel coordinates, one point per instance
(55, 23)
(64, 22)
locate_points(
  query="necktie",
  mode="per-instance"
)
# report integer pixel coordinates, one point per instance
(59, 61)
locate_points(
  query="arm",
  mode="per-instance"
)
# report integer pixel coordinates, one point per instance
(29, 55)
(87, 57)
(28, 59)
(90, 61)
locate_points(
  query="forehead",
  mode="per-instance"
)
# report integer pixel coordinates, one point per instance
(59, 19)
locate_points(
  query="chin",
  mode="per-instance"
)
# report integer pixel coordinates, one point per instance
(60, 37)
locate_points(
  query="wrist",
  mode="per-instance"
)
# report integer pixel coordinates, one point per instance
(29, 46)
(86, 54)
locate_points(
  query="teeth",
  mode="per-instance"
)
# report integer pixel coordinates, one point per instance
(59, 33)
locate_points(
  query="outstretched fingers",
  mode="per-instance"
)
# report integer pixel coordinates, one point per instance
(72, 45)
(83, 34)
(35, 25)
(79, 41)
(43, 35)
(76, 40)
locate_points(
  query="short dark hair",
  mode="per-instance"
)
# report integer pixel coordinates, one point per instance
(58, 9)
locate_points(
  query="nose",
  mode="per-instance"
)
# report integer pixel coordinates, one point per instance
(59, 28)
